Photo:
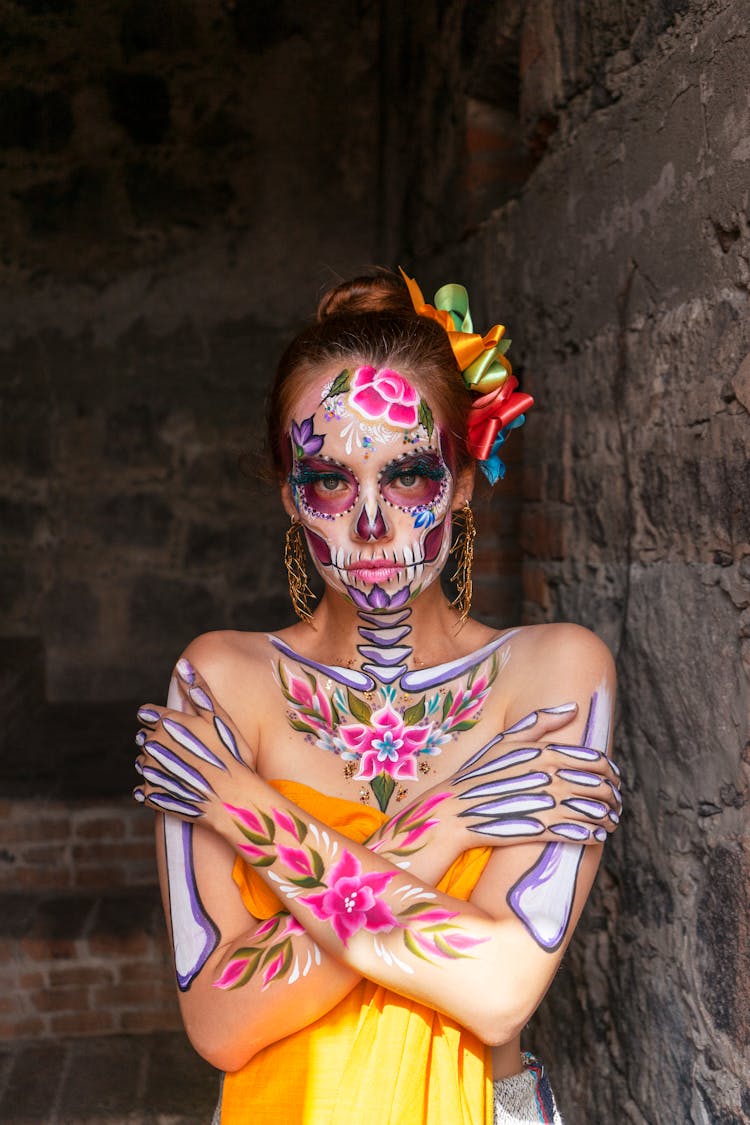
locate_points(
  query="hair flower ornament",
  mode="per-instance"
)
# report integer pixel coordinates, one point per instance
(498, 407)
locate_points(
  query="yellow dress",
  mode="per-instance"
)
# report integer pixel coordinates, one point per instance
(375, 1058)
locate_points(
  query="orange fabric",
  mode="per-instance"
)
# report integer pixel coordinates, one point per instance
(376, 1058)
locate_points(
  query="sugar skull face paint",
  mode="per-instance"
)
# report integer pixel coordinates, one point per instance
(371, 486)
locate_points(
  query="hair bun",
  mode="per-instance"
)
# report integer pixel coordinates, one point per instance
(381, 293)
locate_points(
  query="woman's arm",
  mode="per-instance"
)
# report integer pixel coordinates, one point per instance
(239, 998)
(382, 923)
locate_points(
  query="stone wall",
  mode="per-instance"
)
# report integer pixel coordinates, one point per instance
(623, 266)
(178, 182)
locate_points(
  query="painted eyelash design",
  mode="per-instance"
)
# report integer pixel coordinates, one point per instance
(306, 475)
(421, 468)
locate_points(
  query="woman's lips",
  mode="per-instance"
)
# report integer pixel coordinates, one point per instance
(376, 570)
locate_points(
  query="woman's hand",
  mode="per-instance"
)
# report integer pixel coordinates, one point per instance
(520, 787)
(189, 762)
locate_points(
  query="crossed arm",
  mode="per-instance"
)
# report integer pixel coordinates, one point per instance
(351, 911)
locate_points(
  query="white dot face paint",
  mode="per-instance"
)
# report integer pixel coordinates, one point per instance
(371, 486)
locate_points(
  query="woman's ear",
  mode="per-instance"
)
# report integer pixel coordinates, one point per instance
(464, 489)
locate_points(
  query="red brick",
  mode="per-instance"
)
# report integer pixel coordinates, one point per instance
(21, 1028)
(48, 949)
(132, 995)
(100, 828)
(141, 827)
(13, 1003)
(535, 588)
(166, 1020)
(60, 1000)
(82, 1023)
(32, 980)
(113, 944)
(78, 976)
(119, 854)
(34, 829)
(40, 878)
(42, 854)
(147, 972)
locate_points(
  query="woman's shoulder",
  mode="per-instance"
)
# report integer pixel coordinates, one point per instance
(554, 646)
(225, 654)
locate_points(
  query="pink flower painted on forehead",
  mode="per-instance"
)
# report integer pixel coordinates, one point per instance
(384, 394)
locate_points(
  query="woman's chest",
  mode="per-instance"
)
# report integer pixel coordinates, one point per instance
(367, 735)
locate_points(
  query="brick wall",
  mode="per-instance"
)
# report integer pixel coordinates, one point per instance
(83, 946)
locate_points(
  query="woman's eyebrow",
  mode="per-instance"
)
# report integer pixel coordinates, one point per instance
(415, 457)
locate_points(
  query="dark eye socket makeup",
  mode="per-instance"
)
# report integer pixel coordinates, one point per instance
(414, 480)
(328, 488)
(325, 488)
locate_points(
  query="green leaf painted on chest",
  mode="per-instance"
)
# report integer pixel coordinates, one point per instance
(383, 786)
(413, 714)
(297, 724)
(358, 708)
(447, 704)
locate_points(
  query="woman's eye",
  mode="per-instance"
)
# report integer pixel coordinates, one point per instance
(331, 483)
(407, 480)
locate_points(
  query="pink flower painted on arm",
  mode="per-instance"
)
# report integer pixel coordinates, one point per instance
(387, 745)
(384, 394)
(351, 903)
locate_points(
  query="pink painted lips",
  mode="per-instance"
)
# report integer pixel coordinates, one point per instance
(371, 571)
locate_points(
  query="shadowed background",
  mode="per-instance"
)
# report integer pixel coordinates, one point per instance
(178, 184)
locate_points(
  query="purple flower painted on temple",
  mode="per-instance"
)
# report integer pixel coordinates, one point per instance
(305, 441)
(350, 902)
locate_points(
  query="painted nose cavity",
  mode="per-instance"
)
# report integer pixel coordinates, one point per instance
(370, 524)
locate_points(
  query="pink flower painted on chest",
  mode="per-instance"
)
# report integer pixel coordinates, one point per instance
(386, 745)
(384, 394)
(351, 903)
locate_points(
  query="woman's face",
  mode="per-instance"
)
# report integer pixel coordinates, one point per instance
(370, 485)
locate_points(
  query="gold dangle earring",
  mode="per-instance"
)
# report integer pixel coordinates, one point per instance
(295, 561)
(463, 549)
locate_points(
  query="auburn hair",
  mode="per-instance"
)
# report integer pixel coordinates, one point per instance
(371, 321)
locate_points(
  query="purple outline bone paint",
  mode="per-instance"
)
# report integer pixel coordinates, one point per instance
(194, 935)
(543, 897)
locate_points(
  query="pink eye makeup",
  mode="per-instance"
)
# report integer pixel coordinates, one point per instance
(414, 481)
(324, 488)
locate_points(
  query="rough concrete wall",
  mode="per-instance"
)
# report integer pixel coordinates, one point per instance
(629, 255)
(177, 181)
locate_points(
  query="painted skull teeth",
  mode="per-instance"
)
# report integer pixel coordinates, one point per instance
(410, 559)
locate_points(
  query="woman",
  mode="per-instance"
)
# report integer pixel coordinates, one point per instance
(364, 939)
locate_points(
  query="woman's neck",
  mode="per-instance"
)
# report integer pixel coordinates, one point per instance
(384, 644)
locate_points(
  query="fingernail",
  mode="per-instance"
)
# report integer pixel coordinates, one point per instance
(148, 715)
(617, 793)
(562, 709)
(614, 817)
(185, 670)
(138, 768)
(200, 699)
(140, 738)
(139, 796)
(600, 834)
(615, 768)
